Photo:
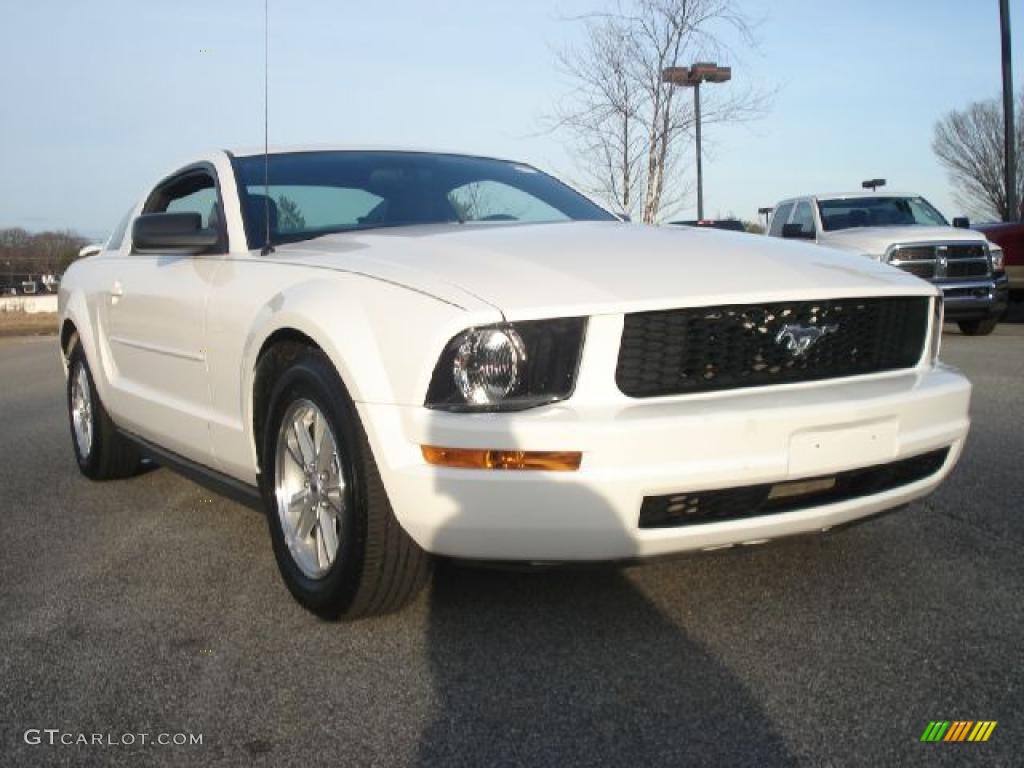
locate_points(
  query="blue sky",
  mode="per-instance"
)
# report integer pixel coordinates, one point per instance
(102, 97)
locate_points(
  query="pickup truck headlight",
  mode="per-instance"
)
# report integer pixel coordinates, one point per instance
(996, 254)
(508, 366)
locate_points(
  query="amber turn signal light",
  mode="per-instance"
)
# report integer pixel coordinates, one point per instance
(485, 458)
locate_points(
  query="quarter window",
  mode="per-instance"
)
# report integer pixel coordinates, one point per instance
(779, 219)
(805, 218)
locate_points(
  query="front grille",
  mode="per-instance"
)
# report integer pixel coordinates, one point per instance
(942, 260)
(966, 251)
(705, 349)
(967, 269)
(925, 269)
(675, 510)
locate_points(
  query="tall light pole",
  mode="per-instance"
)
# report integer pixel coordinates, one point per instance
(692, 77)
(1009, 137)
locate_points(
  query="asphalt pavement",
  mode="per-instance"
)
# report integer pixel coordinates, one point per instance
(150, 606)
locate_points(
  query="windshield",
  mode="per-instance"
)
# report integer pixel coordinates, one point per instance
(318, 193)
(845, 213)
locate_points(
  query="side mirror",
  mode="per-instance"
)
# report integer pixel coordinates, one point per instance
(796, 231)
(962, 222)
(89, 250)
(175, 232)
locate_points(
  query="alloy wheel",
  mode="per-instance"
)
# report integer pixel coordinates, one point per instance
(309, 487)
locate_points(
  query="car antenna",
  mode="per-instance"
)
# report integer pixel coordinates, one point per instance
(267, 246)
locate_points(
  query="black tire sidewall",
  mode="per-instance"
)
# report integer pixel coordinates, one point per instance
(981, 327)
(312, 378)
(89, 465)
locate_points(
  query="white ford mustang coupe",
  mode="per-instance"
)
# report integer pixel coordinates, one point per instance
(404, 353)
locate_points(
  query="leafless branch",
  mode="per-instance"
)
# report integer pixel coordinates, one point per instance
(626, 126)
(969, 144)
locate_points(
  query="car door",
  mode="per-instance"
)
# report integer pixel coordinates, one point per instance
(157, 305)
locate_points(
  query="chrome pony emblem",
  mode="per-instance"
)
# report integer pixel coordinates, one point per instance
(799, 338)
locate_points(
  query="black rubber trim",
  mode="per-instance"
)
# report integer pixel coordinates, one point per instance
(741, 503)
(218, 482)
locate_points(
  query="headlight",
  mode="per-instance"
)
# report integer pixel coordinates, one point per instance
(508, 367)
(996, 254)
(488, 365)
(938, 317)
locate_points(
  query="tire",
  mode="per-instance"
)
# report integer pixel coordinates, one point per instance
(981, 327)
(376, 567)
(100, 450)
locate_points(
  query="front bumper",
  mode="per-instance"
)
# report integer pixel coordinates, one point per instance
(975, 299)
(656, 447)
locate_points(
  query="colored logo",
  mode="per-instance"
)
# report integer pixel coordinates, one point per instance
(958, 730)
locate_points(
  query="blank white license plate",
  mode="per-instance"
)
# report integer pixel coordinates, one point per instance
(821, 451)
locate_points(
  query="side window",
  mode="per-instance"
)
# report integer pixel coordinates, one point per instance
(805, 218)
(779, 219)
(488, 200)
(202, 201)
(191, 192)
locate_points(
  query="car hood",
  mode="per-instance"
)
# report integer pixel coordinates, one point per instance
(541, 270)
(873, 241)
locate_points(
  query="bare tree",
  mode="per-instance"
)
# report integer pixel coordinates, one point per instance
(624, 123)
(24, 255)
(969, 144)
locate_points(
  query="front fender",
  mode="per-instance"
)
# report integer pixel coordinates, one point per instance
(383, 339)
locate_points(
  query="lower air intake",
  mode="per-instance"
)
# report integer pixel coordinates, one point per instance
(715, 506)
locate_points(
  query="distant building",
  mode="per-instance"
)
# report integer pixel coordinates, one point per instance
(25, 284)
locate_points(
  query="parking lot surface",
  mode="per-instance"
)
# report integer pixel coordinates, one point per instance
(151, 606)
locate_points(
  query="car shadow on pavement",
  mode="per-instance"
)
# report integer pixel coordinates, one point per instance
(576, 666)
(1015, 310)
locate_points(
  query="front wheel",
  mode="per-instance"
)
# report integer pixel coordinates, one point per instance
(981, 327)
(100, 450)
(338, 545)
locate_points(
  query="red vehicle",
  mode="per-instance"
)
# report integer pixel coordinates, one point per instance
(731, 224)
(1010, 237)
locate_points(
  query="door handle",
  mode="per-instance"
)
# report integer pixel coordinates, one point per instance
(116, 291)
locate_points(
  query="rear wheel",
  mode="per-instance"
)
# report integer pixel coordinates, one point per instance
(982, 327)
(100, 450)
(338, 545)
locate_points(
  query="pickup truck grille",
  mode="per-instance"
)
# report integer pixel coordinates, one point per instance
(706, 349)
(942, 260)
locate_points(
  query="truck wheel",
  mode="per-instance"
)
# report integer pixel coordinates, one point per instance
(978, 327)
(102, 453)
(338, 545)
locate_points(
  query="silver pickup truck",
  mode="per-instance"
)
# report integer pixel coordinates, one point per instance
(906, 231)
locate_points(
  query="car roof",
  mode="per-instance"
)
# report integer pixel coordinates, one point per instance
(848, 196)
